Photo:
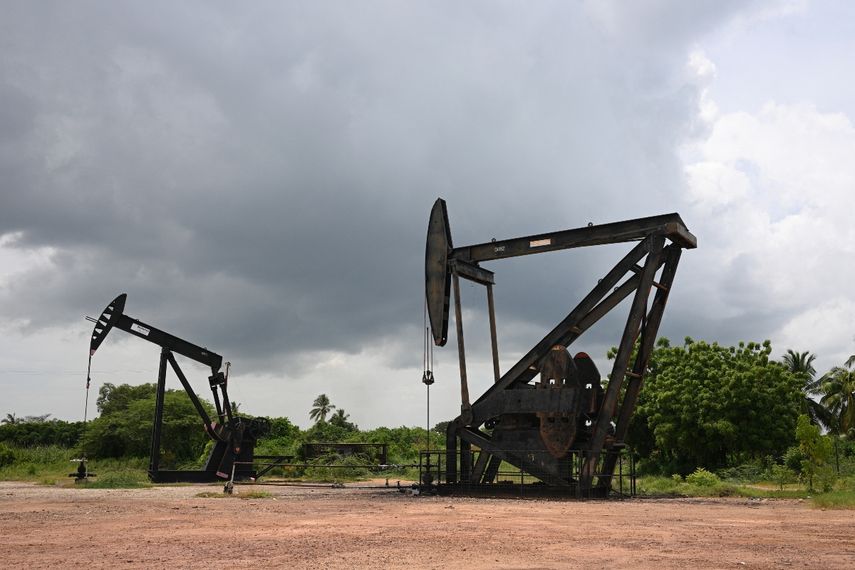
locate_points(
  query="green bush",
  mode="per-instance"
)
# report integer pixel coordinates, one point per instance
(124, 427)
(825, 478)
(750, 472)
(346, 469)
(122, 479)
(7, 456)
(702, 478)
(41, 432)
(793, 458)
(781, 474)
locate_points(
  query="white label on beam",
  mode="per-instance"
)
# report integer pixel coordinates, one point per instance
(140, 329)
(540, 242)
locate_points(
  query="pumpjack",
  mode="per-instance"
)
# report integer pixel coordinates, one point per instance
(564, 429)
(234, 437)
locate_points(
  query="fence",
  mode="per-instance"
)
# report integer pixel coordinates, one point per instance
(510, 480)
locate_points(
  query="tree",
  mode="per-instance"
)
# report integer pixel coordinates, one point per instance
(320, 408)
(340, 419)
(800, 364)
(816, 451)
(838, 385)
(10, 419)
(36, 419)
(124, 427)
(113, 399)
(706, 405)
(41, 432)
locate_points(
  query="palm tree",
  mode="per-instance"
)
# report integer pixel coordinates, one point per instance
(340, 418)
(320, 408)
(9, 419)
(801, 365)
(838, 385)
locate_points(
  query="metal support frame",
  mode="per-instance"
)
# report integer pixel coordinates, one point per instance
(511, 407)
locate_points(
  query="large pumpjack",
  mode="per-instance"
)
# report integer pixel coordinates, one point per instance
(234, 437)
(565, 430)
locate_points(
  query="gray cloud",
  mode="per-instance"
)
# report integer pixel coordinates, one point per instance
(258, 178)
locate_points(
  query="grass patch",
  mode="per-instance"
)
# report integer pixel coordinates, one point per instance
(843, 499)
(51, 465)
(124, 479)
(652, 486)
(235, 495)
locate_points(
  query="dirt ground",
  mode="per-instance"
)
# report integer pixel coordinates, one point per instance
(297, 528)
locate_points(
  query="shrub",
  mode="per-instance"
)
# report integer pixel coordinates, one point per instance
(793, 458)
(7, 456)
(122, 479)
(825, 478)
(751, 472)
(781, 474)
(702, 478)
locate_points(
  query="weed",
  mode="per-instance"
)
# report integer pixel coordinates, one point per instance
(126, 479)
(247, 495)
(843, 499)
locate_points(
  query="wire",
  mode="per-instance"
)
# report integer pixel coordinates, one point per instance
(427, 374)
(86, 413)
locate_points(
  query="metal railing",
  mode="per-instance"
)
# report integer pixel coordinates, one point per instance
(262, 465)
(512, 480)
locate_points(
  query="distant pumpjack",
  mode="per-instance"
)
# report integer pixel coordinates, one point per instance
(234, 437)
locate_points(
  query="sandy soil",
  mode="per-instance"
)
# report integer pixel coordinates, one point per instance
(348, 528)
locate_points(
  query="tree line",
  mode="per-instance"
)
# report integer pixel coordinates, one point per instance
(702, 405)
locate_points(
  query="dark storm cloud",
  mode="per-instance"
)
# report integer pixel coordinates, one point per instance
(259, 178)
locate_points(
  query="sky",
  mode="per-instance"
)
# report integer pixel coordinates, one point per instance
(258, 178)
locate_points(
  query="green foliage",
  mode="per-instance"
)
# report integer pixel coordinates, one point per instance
(843, 499)
(750, 471)
(801, 365)
(119, 479)
(7, 456)
(705, 405)
(254, 494)
(321, 407)
(37, 462)
(793, 458)
(124, 427)
(405, 443)
(700, 477)
(816, 450)
(345, 469)
(838, 387)
(675, 486)
(326, 432)
(114, 399)
(783, 475)
(24, 432)
(651, 485)
(284, 439)
(340, 419)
